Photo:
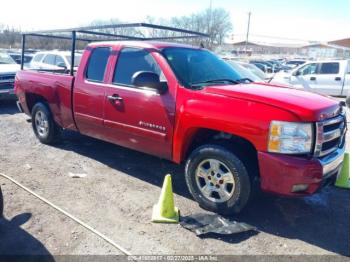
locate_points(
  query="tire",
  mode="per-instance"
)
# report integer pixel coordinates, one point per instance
(232, 195)
(44, 126)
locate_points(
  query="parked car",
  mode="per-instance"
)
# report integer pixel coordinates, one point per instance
(54, 60)
(262, 77)
(270, 68)
(294, 63)
(8, 69)
(18, 57)
(186, 105)
(329, 77)
(347, 101)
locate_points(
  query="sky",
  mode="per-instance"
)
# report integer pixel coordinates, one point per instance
(271, 20)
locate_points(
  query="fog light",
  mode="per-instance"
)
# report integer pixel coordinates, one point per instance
(300, 188)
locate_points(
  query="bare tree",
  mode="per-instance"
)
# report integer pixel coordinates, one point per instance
(214, 22)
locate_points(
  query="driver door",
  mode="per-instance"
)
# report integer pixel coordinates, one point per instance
(305, 77)
(134, 117)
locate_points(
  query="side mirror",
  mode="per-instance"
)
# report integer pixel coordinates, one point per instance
(148, 80)
(296, 73)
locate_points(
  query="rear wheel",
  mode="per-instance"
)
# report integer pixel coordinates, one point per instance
(44, 126)
(218, 179)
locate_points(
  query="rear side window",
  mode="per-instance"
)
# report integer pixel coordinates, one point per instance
(49, 59)
(38, 58)
(329, 68)
(59, 60)
(97, 64)
(132, 60)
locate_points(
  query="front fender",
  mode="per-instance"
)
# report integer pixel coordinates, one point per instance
(243, 118)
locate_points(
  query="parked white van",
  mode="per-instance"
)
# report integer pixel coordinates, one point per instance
(331, 77)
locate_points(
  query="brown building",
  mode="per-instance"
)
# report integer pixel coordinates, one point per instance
(342, 42)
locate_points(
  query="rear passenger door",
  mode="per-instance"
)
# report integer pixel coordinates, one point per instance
(89, 93)
(329, 79)
(139, 119)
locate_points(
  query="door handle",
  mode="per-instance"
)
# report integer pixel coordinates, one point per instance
(337, 78)
(312, 78)
(115, 98)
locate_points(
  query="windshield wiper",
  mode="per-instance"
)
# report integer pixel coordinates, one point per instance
(243, 80)
(216, 81)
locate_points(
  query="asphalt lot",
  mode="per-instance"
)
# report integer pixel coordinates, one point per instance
(116, 198)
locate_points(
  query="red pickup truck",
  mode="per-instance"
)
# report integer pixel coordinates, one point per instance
(186, 105)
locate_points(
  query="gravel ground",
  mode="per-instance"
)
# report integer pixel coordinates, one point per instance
(116, 196)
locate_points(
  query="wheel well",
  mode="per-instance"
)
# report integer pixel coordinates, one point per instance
(241, 147)
(32, 99)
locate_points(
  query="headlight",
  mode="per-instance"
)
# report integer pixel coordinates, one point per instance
(290, 137)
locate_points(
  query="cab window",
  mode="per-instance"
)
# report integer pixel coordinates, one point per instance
(97, 64)
(59, 61)
(329, 68)
(132, 60)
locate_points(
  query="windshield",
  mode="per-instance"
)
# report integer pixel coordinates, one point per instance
(255, 70)
(196, 66)
(77, 59)
(6, 59)
(245, 73)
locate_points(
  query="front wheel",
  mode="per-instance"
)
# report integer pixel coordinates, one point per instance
(218, 179)
(44, 126)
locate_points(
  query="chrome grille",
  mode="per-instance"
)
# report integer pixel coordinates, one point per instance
(8, 78)
(330, 135)
(7, 81)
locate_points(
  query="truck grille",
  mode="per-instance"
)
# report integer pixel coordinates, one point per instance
(7, 81)
(330, 135)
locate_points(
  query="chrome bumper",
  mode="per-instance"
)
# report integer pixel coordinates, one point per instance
(7, 91)
(332, 162)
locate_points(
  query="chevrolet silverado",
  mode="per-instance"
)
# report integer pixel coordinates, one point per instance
(182, 103)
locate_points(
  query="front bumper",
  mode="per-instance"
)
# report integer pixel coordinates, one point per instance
(281, 174)
(7, 94)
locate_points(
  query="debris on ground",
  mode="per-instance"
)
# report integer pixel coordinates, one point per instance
(202, 224)
(73, 175)
(27, 167)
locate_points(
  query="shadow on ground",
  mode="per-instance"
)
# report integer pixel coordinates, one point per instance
(14, 241)
(16, 244)
(321, 220)
(8, 107)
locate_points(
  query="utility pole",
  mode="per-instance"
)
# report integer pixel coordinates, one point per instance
(246, 40)
(209, 22)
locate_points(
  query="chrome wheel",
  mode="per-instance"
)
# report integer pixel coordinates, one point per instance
(41, 123)
(215, 180)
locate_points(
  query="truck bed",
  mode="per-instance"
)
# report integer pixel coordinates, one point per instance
(55, 88)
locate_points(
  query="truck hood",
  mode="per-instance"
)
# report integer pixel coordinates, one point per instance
(305, 105)
(9, 68)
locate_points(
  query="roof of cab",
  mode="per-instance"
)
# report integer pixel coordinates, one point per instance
(141, 44)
